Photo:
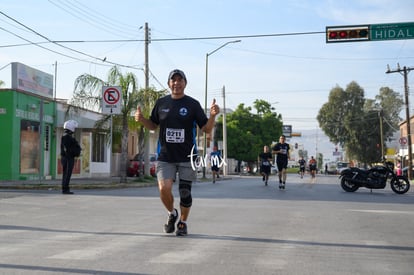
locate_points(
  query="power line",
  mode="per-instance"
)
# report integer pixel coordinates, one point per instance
(62, 46)
(350, 59)
(83, 13)
(238, 36)
(187, 38)
(31, 43)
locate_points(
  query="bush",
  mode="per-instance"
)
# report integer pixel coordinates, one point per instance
(294, 170)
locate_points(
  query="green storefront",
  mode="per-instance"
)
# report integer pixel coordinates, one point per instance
(27, 119)
(27, 138)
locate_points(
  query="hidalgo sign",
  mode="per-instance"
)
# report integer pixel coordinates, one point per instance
(393, 31)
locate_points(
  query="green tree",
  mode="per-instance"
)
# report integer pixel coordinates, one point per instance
(391, 104)
(1, 83)
(354, 122)
(381, 114)
(262, 107)
(247, 133)
(338, 117)
(363, 145)
(88, 94)
(319, 161)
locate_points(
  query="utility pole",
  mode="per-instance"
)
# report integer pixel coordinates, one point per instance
(146, 71)
(381, 135)
(224, 134)
(404, 72)
(55, 113)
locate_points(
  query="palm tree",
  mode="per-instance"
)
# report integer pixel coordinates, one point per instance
(88, 94)
(147, 99)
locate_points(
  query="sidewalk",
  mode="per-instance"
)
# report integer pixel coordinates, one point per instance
(78, 183)
(88, 183)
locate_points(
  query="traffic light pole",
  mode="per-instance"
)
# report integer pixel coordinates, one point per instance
(404, 71)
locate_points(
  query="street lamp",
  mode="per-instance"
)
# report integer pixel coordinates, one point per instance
(205, 95)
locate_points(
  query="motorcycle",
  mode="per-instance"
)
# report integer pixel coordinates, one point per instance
(353, 178)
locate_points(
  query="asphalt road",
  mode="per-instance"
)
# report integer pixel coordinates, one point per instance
(237, 226)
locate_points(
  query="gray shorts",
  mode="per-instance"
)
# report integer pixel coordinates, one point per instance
(166, 170)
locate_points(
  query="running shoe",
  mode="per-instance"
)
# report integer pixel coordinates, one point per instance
(169, 227)
(181, 229)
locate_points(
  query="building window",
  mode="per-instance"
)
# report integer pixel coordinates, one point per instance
(98, 147)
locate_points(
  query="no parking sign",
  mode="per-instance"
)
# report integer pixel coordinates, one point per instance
(403, 141)
(111, 100)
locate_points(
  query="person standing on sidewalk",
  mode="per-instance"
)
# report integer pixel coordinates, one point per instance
(69, 149)
(399, 170)
(177, 115)
(282, 150)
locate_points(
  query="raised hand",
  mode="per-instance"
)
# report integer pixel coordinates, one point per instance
(214, 109)
(138, 114)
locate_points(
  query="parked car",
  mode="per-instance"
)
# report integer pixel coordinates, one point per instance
(135, 166)
(340, 166)
(405, 171)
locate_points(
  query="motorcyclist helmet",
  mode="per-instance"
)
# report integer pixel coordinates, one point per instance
(70, 125)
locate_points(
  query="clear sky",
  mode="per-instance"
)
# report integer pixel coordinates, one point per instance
(295, 72)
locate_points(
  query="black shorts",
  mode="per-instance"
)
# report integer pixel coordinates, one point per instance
(281, 164)
(215, 168)
(265, 169)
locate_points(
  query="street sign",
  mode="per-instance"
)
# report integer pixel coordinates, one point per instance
(287, 130)
(403, 141)
(394, 31)
(373, 32)
(111, 100)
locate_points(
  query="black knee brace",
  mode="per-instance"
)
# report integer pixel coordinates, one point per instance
(184, 187)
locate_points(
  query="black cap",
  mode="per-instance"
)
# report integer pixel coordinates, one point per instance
(179, 72)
